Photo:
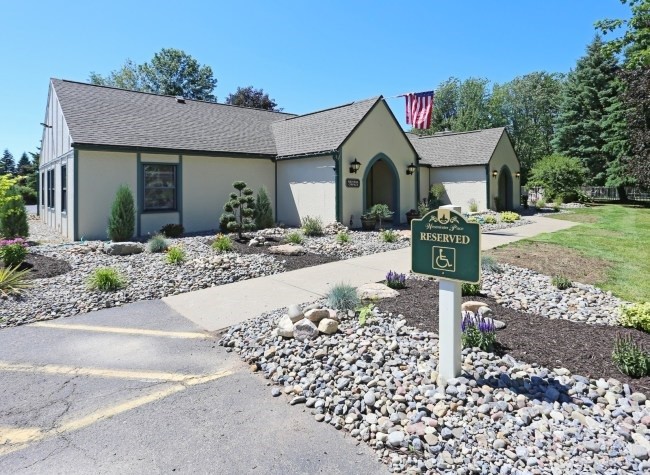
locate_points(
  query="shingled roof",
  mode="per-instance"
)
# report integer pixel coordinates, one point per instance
(319, 131)
(453, 149)
(99, 115)
(107, 116)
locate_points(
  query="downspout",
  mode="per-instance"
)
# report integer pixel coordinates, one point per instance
(487, 186)
(337, 187)
(275, 203)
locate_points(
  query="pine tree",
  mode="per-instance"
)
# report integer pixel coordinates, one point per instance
(7, 163)
(239, 210)
(263, 210)
(121, 222)
(589, 91)
(24, 165)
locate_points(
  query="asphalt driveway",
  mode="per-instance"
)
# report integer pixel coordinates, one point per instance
(140, 389)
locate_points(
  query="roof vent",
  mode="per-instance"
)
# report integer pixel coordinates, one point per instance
(180, 99)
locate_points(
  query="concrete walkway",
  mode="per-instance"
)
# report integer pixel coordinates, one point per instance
(219, 307)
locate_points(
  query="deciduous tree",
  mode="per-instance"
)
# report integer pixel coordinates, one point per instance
(251, 97)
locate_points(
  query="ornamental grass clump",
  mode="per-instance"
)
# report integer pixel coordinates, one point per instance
(343, 237)
(478, 332)
(630, 357)
(175, 255)
(509, 216)
(395, 280)
(13, 252)
(488, 264)
(635, 316)
(106, 279)
(388, 235)
(222, 243)
(490, 219)
(312, 226)
(473, 205)
(13, 281)
(561, 282)
(342, 297)
(157, 243)
(294, 237)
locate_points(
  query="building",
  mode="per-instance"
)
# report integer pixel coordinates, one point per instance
(180, 158)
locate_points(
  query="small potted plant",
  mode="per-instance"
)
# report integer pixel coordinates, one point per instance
(368, 221)
(381, 212)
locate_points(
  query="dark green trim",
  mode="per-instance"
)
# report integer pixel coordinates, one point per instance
(487, 186)
(338, 180)
(170, 151)
(275, 202)
(408, 141)
(396, 186)
(139, 189)
(75, 180)
(179, 189)
(417, 187)
(305, 155)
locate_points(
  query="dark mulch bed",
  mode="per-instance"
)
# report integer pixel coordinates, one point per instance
(291, 262)
(581, 348)
(41, 267)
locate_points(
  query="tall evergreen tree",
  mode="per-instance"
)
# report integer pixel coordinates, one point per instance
(24, 165)
(589, 90)
(7, 163)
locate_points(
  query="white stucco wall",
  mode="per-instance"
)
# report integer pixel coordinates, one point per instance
(462, 184)
(377, 133)
(100, 175)
(207, 183)
(504, 154)
(306, 187)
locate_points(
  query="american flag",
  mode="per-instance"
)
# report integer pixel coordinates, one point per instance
(419, 106)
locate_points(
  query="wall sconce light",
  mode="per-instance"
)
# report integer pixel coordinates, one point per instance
(354, 166)
(410, 170)
(517, 175)
(494, 173)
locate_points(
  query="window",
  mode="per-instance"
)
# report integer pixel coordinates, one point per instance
(64, 188)
(159, 187)
(50, 189)
(43, 189)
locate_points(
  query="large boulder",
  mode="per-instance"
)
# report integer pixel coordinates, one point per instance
(285, 327)
(328, 326)
(295, 313)
(317, 314)
(287, 250)
(305, 330)
(472, 306)
(376, 292)
(123, 248)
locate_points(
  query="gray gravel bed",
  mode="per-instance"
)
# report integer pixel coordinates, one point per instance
(379, 383)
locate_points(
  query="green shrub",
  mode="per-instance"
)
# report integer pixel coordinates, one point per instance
(263, 210)
(222, 243)
(13, 252)
(436, 193)
(175, 255)
(121, 222)
(364, 313)
(557, 175)
(13, 215)
(488, 264)
(561, 282)
(312, 226)
(172, 230)
(423, 208)
(472, 219)
(388, 235)
(239, 210)
(473, 206)
(294, 237)
(30, 196)
(342, 297)
(509, 216)
(636, 316)
(157, 243)
(490, 219)
(106, 279)
(343, 237)
(380, 211)
(13, 281)
(630, 358)
(468, 289)
(540, 203)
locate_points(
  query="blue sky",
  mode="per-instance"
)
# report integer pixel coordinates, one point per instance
(307, 55)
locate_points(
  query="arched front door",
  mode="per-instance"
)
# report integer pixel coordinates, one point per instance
(505, 189)
(381, 185)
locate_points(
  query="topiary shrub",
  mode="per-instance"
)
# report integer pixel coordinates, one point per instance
(630, 358)
(13, 281)
(121, 222)
(106, 279)
(342, 297)
(381, 212)
(468, 289)
(263, 210)
(239, 210)
(172, 230)
(13, 215)
(312, 226)
(157, 243)
(175, 255)
(294, 237)
(222, 243)
(636, 316)
(561, 282)
(13, 252)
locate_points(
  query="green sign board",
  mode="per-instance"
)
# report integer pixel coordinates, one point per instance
(445, 245)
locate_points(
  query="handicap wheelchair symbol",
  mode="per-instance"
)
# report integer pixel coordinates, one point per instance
(444, 258)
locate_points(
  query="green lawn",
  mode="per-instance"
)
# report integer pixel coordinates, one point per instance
(617, 233)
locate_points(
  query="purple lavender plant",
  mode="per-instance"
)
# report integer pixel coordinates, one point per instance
(395, 280)
(478, 331)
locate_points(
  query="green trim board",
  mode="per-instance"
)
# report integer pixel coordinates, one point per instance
(179, 189)
(75, 180)
(169, 151)
(139, 193)
(305, 155)
(338, 181)
(487, 186)
(396, 185)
